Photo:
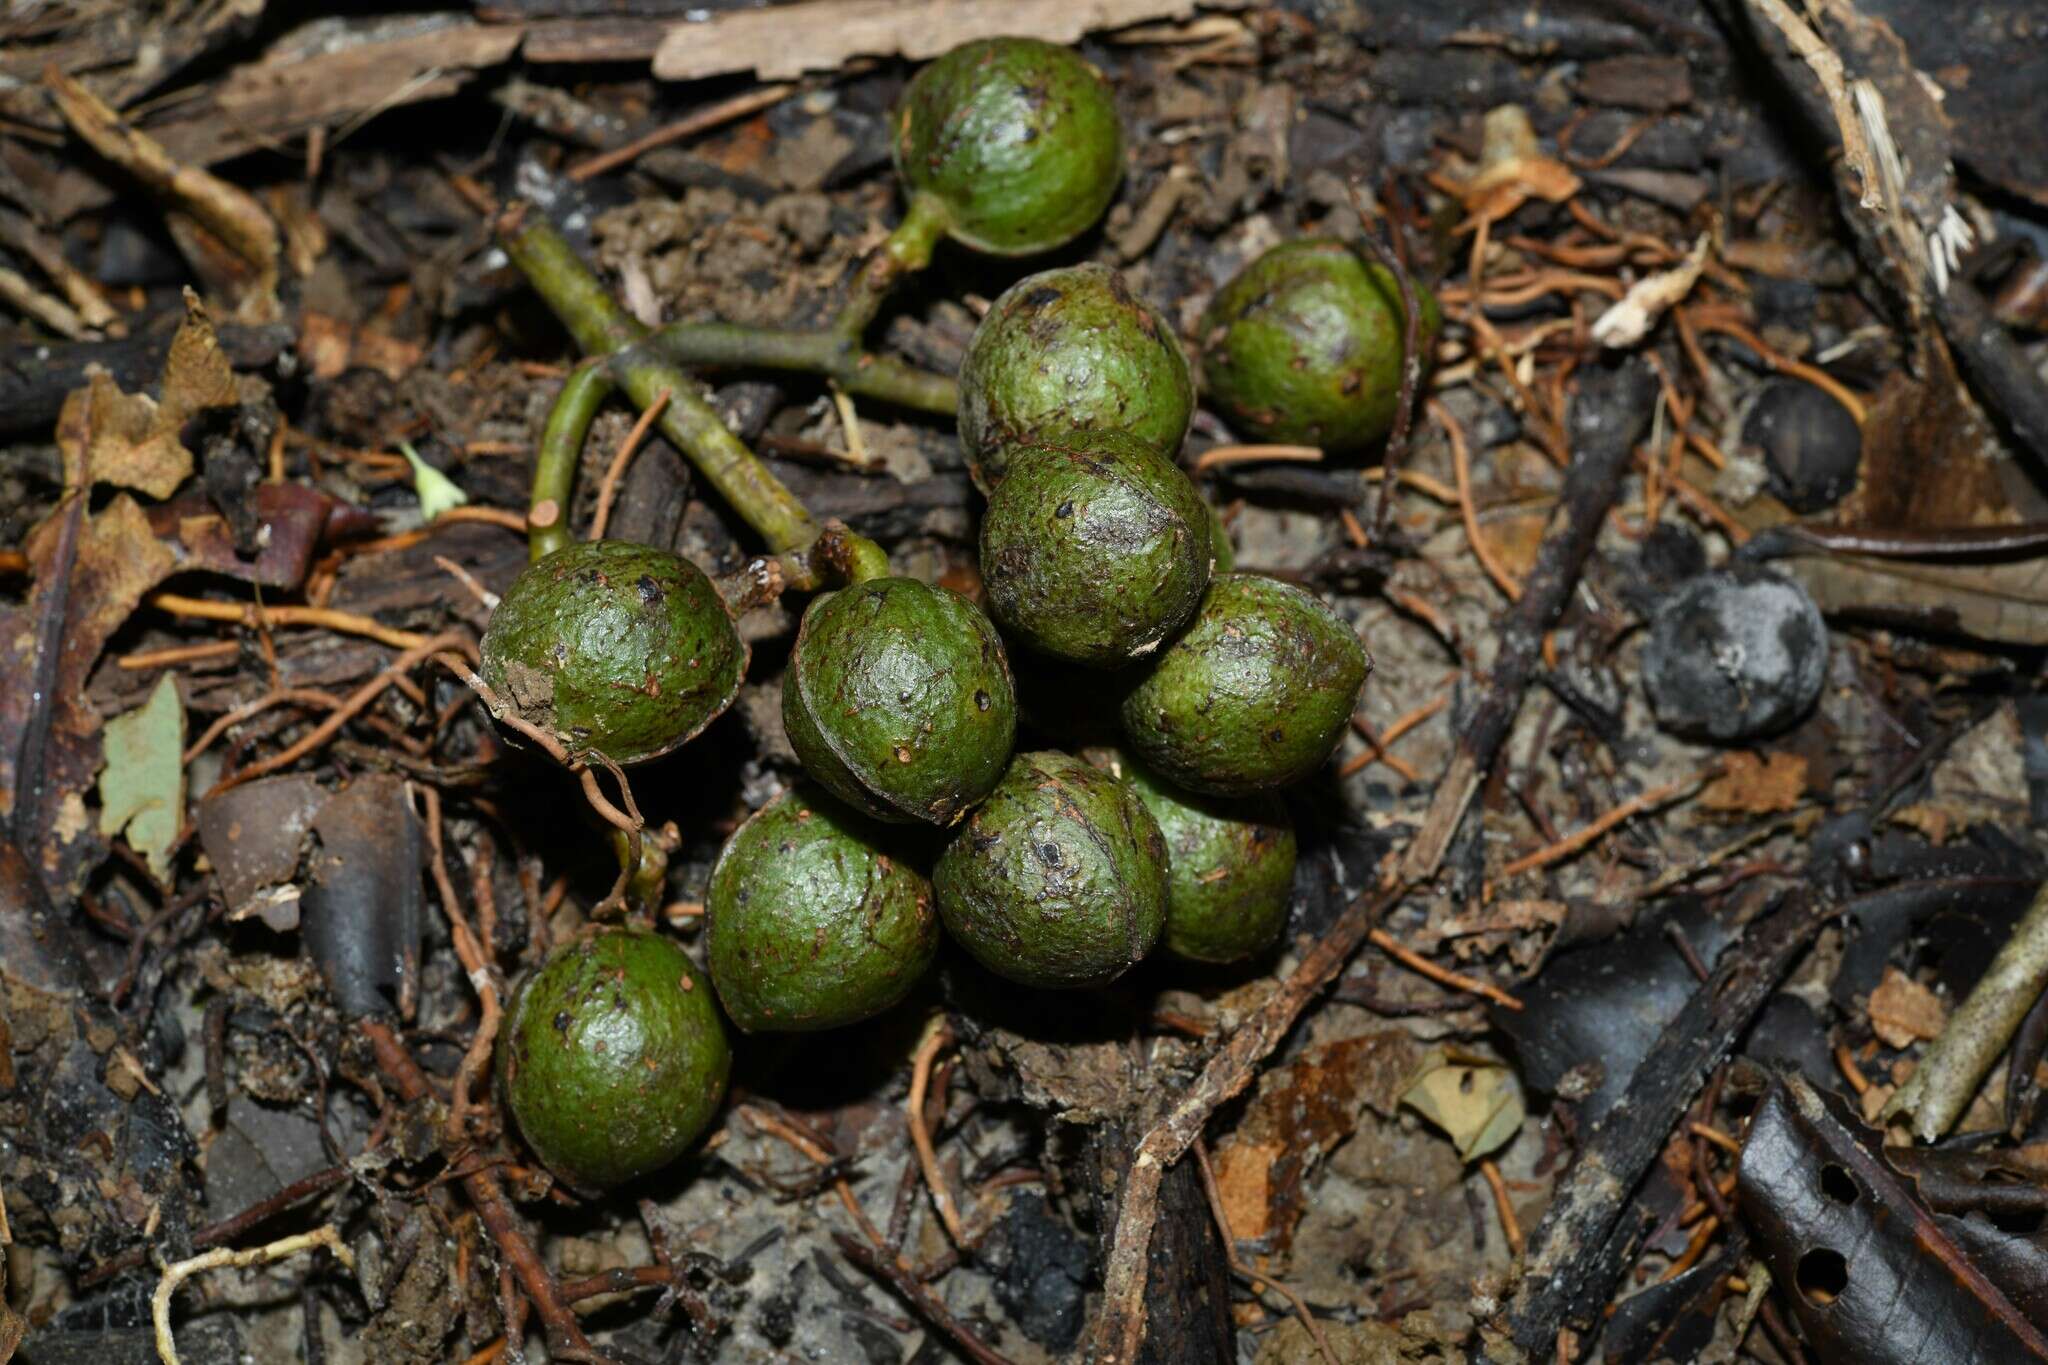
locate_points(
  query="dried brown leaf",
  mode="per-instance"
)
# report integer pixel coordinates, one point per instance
(1757, 784)
(1902, 1011)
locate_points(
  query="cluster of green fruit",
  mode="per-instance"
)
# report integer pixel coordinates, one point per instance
(1097, 552)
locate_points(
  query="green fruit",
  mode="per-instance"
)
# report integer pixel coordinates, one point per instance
(1094, 548)
(1016, 138)
(1304, 346)
(613, 1058)
(1229, 869)
(1058, 879)
(1252, 696)
(622, 649)
(810, 923)
(1065, 351)
(899, 699)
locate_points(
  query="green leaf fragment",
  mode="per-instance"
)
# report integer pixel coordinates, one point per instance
(437, 492)
(142, 787)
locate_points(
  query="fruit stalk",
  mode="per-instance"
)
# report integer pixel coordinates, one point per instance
(602, 328)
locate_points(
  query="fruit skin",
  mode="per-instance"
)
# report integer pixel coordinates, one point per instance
(899, 700)
(619, 648)
(1017, 138)
(1303, 346)
(1229, 869)
(1070, 350)
(812, 921)
(1253, 695)
(1058, 879)
(1094, 548)
(613, 1057)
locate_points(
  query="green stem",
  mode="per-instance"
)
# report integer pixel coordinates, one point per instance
(602, 328)
(861, 373)
(908, 250)
(561, 446)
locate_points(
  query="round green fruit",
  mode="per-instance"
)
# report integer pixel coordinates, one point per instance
(1018, 140)
(811, 922)
(622, 649)
(1058, 879)
(1303, 346)
(1253, 695)
(1070, 350)
(1229, 869)
(899, 700)
(613, 1057)
(1094, 548)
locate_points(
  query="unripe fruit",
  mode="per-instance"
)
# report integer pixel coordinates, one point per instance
(1016, 138)
(622, 649)
(1065, 351)
(1303, 346)
(1254, 695)
(613, 1057)
(899, 701)
(1229, 869)
(1094, 548)
(812, 921)
(1058, 879)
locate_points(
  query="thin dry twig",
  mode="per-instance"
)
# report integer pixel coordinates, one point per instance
(1482, 549)
(608, 487)
(474, 964)
(935, 1039)
(1443, 976)
(176, 1274)
(695, 122)
(914, 1292)
(1236, 1262)
(1578, 839)
(1510, 1226)
(1411, 357)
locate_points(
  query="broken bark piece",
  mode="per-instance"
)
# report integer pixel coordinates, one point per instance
(254, 835)
(360, 913)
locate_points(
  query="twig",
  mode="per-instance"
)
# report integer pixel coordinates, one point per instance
(1578, 839)
(474, 963)
(1443, 976)
(227, 1229)
(1509, 1226)
(935, 1039)
(918, 1296)
(1411, 359)
(565, 1335)
(257, 617)
(689, 125)
(608, 486)
(1591, 484)
(1241, 454)
(177, 1274)
(1236, 1263)
(1482, 549)
(1827, 69)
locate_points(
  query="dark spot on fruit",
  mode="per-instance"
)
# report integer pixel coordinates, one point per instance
(1065, 509)
(1049, 854)
(981, 701)
(1045, 296)
(650, 591)
(562, 1021)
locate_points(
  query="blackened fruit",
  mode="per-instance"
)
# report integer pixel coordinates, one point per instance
(1735, 654)
(1016, 138)
(613, 1057)
(1094, 548)
(899, 701)
(1058, 879)
(813, 918)
(1811, 445)
(1229, 869)
(1255, 694)
(619, 648)
(1304, 346)
(1065, 351)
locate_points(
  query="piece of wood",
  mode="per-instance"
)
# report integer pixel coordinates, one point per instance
(781, 43)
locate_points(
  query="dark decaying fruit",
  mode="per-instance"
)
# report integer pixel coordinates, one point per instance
(1304, 346)
(613, 1057)
(1058, 879)
(1735, 654)
(813, 919)
(1253, 695)
(619, 648)
(899, 700)
(1094, 548)
(1229, 868)
(1070, 350)
(1016, 138)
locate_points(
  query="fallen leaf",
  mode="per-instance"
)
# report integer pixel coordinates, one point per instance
(1757, 784)
(133, 440)
(1902, 1011)
(142, 788)
(1629, 319)
(1476, 1101)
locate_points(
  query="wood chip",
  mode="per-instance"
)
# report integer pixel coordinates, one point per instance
(1903, 1012)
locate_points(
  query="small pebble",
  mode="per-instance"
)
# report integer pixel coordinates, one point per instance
(1734, 654)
